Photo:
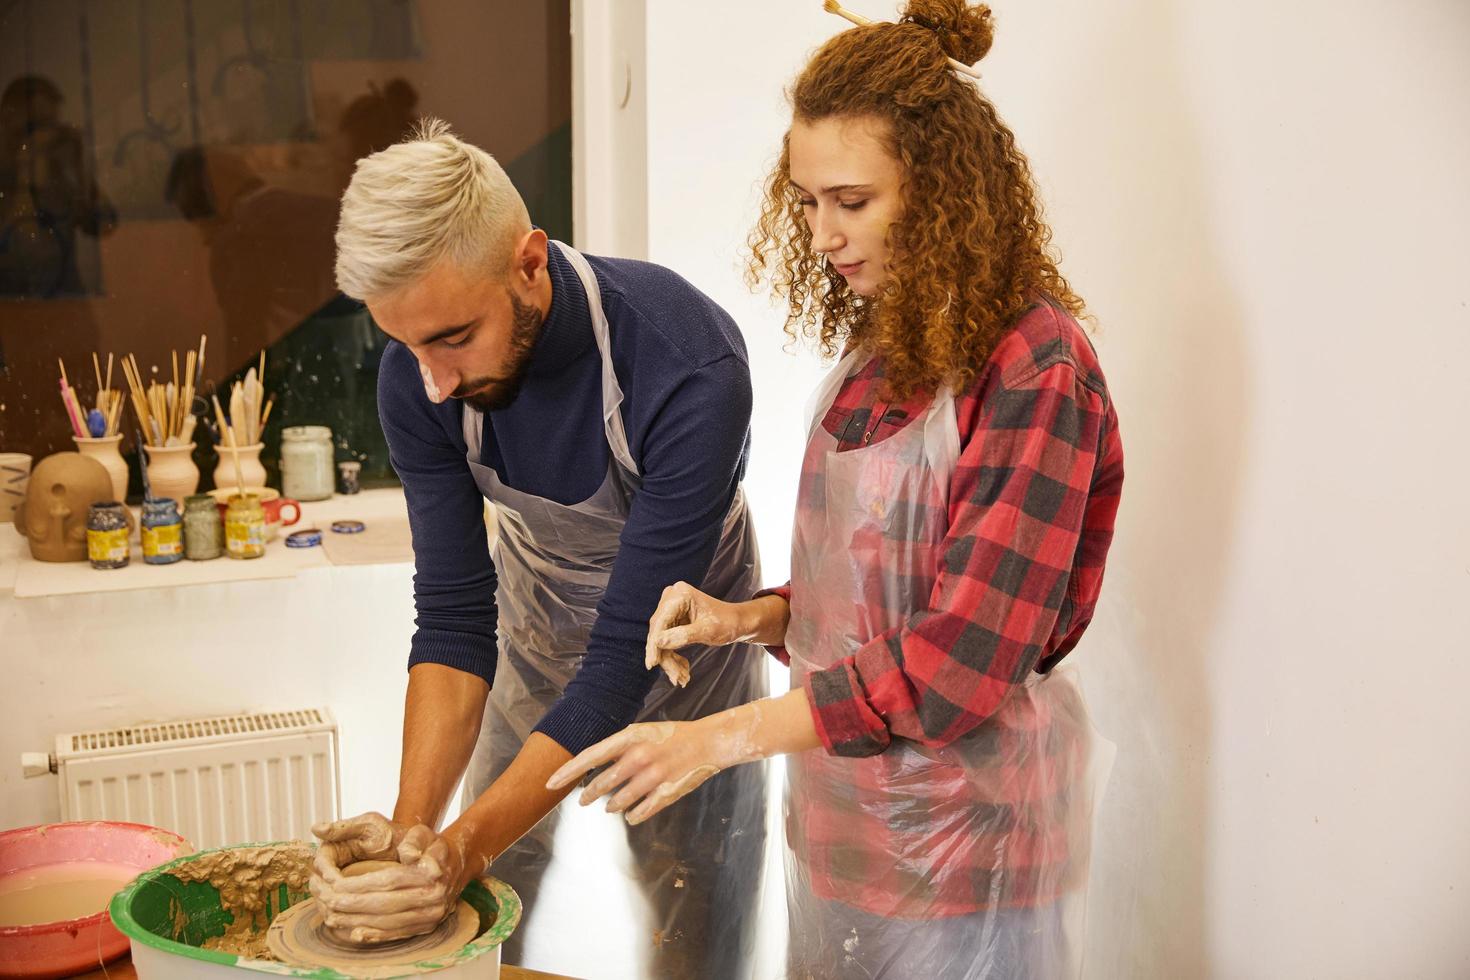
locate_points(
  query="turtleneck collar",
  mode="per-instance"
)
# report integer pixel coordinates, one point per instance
(567, 332)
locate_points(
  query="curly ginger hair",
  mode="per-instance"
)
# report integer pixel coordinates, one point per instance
(971, 252)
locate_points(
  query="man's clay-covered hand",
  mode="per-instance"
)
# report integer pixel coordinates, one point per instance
(369, 837)
(408, 894)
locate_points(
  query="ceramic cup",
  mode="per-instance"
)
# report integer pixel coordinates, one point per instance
(15, 473)
(271, 502)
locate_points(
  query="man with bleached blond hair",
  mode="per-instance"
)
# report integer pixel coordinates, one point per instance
(603, 406)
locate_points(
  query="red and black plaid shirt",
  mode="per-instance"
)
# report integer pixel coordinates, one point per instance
(1031, 507)
(1032, 503)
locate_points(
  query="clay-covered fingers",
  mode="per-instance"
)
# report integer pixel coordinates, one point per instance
(674, 666)
(408, 897)
(416, 840)
(329, 861)
(386, 904)
(629, 779)
(639, 785)
(669, 792)
(366, 837)
(396, 878)
(590, 758)
(675, 608)
(629, 766)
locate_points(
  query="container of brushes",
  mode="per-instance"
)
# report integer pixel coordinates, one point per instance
(15, 473)
(171, 472)
(105, 451)
(252, 470)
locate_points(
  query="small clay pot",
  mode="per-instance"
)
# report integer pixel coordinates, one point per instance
(105, 451)
(252, 470)
(171, 473)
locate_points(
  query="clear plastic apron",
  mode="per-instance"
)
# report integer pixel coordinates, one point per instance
(968, 861)
(698, 863)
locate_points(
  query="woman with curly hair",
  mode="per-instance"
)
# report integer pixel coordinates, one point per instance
(956, 505)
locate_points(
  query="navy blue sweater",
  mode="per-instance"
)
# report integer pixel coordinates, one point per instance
(681, 363)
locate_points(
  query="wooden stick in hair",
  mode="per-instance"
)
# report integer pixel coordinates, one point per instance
(833, 7)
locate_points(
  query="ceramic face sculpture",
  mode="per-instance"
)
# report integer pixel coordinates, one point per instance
(54, 513)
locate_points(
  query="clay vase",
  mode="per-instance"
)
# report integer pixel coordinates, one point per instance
(251, 468)
(54, 515)
(15, 473)
(105, 451)
(171, 472)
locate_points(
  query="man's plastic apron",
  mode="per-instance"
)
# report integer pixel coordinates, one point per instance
(698, 863)
(905, 864)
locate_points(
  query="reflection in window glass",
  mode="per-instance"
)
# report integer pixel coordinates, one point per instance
(170, 169)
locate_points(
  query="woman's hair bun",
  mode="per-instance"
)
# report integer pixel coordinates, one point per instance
(965, 32)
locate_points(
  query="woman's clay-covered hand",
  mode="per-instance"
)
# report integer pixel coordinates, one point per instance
(687, 616)
(653, 764)
(408, 895)
(658, 762)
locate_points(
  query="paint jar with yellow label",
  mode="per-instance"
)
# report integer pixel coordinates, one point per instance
(107, 535)
(245, 527)
(163, 531)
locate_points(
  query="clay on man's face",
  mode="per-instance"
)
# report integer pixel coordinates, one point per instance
(470, 331)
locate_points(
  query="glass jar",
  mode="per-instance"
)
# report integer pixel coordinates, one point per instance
(204, 530)
(245, 527)
(163, 531)
(351, 476)
(307, 468)
(107, 535)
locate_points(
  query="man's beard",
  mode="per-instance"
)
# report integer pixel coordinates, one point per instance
(492, 394)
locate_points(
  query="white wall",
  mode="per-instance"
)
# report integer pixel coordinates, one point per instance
(1266, 207)
(334, 637)
(609, 127)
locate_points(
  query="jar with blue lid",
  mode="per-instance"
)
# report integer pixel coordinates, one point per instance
(163, 531)
(308, 462)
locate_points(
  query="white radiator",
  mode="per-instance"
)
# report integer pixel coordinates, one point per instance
(215, 781)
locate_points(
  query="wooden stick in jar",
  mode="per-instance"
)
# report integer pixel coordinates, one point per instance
(225, 430)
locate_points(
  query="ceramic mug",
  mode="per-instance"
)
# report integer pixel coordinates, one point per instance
(271, 502)
(15, 473)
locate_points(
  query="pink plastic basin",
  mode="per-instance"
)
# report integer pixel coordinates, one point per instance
(61, 949)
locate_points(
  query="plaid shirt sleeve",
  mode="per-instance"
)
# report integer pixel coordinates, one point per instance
(1018, 502)
(784, 591)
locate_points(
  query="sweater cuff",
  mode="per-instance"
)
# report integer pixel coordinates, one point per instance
(575, 724)
(469, 652)
(784, 591)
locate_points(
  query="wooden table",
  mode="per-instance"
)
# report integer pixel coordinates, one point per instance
(123, 970)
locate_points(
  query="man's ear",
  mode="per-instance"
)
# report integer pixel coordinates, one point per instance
(529, 261)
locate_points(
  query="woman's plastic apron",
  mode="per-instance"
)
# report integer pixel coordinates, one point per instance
(948, 862)
(699, 866)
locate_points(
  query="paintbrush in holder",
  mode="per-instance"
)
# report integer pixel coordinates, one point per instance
(164, 411)
(96, 431)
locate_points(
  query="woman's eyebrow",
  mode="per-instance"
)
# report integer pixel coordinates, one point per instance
(835, 188)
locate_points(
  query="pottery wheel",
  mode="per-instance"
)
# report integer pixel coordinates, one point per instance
(297, 938)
